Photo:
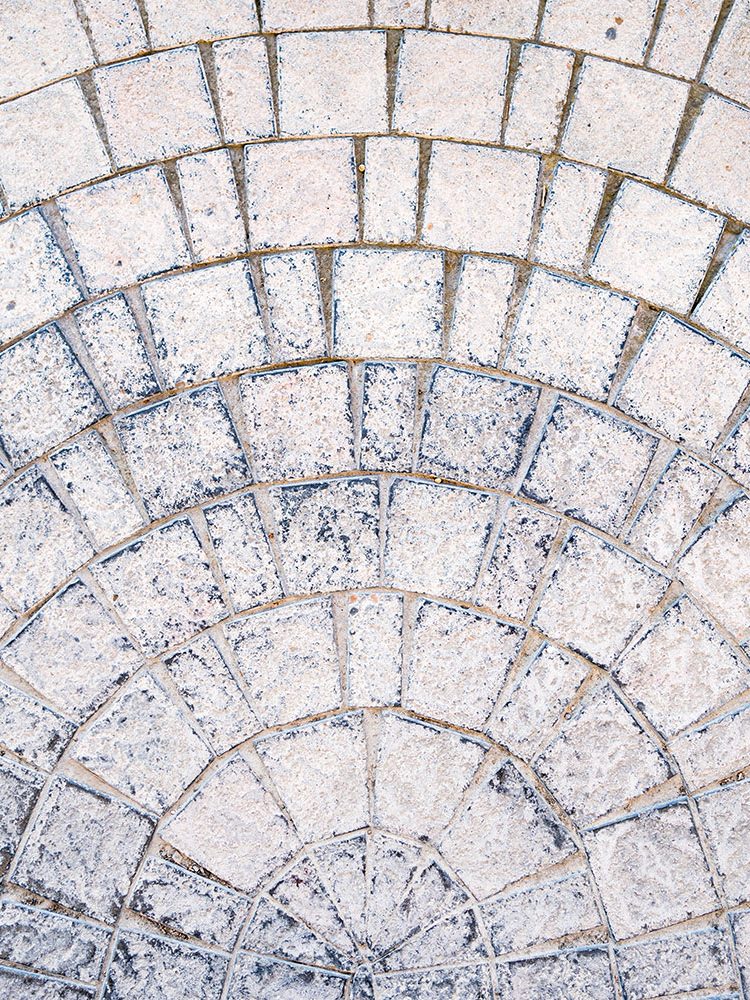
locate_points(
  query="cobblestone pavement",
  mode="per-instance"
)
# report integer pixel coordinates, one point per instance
(374, 499)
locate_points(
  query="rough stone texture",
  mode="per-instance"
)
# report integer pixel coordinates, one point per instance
(658, 857)
(374, 616)
(45, 395)
(83, 849)
(475, 427)
(560, 320)
(586, 567)
(183, 450)
(205, 323)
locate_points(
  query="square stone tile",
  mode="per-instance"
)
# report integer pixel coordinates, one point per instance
(401, 13)
(83, 850)
(165, 589)
(510, 18)
(387, 303)
(583, 974)
(713, 166)
(144, 745)
(728, 65)
(95, 483)
(714, 751)
(587, 783)
(156, 107)
(451, 86)
(480, 198)
(657, 673)
(41, 543)
(206, 323)
(299, 421)
(723, 812)
(35, 280)
(570, 334)
(684, 384)
(650, 871)
(480, 311)
(699, 959)
(624, 118)
(475, 427)
(320, 771)
(527, 711)
(459, 663)
(389, 397)
(73, 652)
(42, 41)
(391, 180)
(597, 597)
(684, 32)
(656, 247)
(244, 85)
(243, 552)
(125, 229)
(211, 692)
(45, 395)
(421, 774)
(539, 91)
(554, 909)
(504, 831)
(169, 25)
(589, 465)
(142, 960)
(209, 195)
(329, 534)
(295, 307)
(515, 569)
(19, 986)
(332, 82)
(233, 827)
(374, 648)
(452, 527)
(600, 26)
(289, 660)
(115, 343)
(34, 163)
(301, 192)
(183, 451)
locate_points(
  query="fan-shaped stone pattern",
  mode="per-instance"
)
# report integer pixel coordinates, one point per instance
(373, 448)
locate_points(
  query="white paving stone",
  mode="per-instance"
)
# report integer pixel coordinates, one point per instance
(656, 246)
(125, 229)
(205, 323)
(332, 82)
(451, 86)
(32, 164)
(142, 121)
(480, 198)
(624, 118)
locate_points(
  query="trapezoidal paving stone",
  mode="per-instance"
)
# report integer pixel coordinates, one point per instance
(374, 514)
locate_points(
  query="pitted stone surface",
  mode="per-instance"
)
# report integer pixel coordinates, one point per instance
(374, 459)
